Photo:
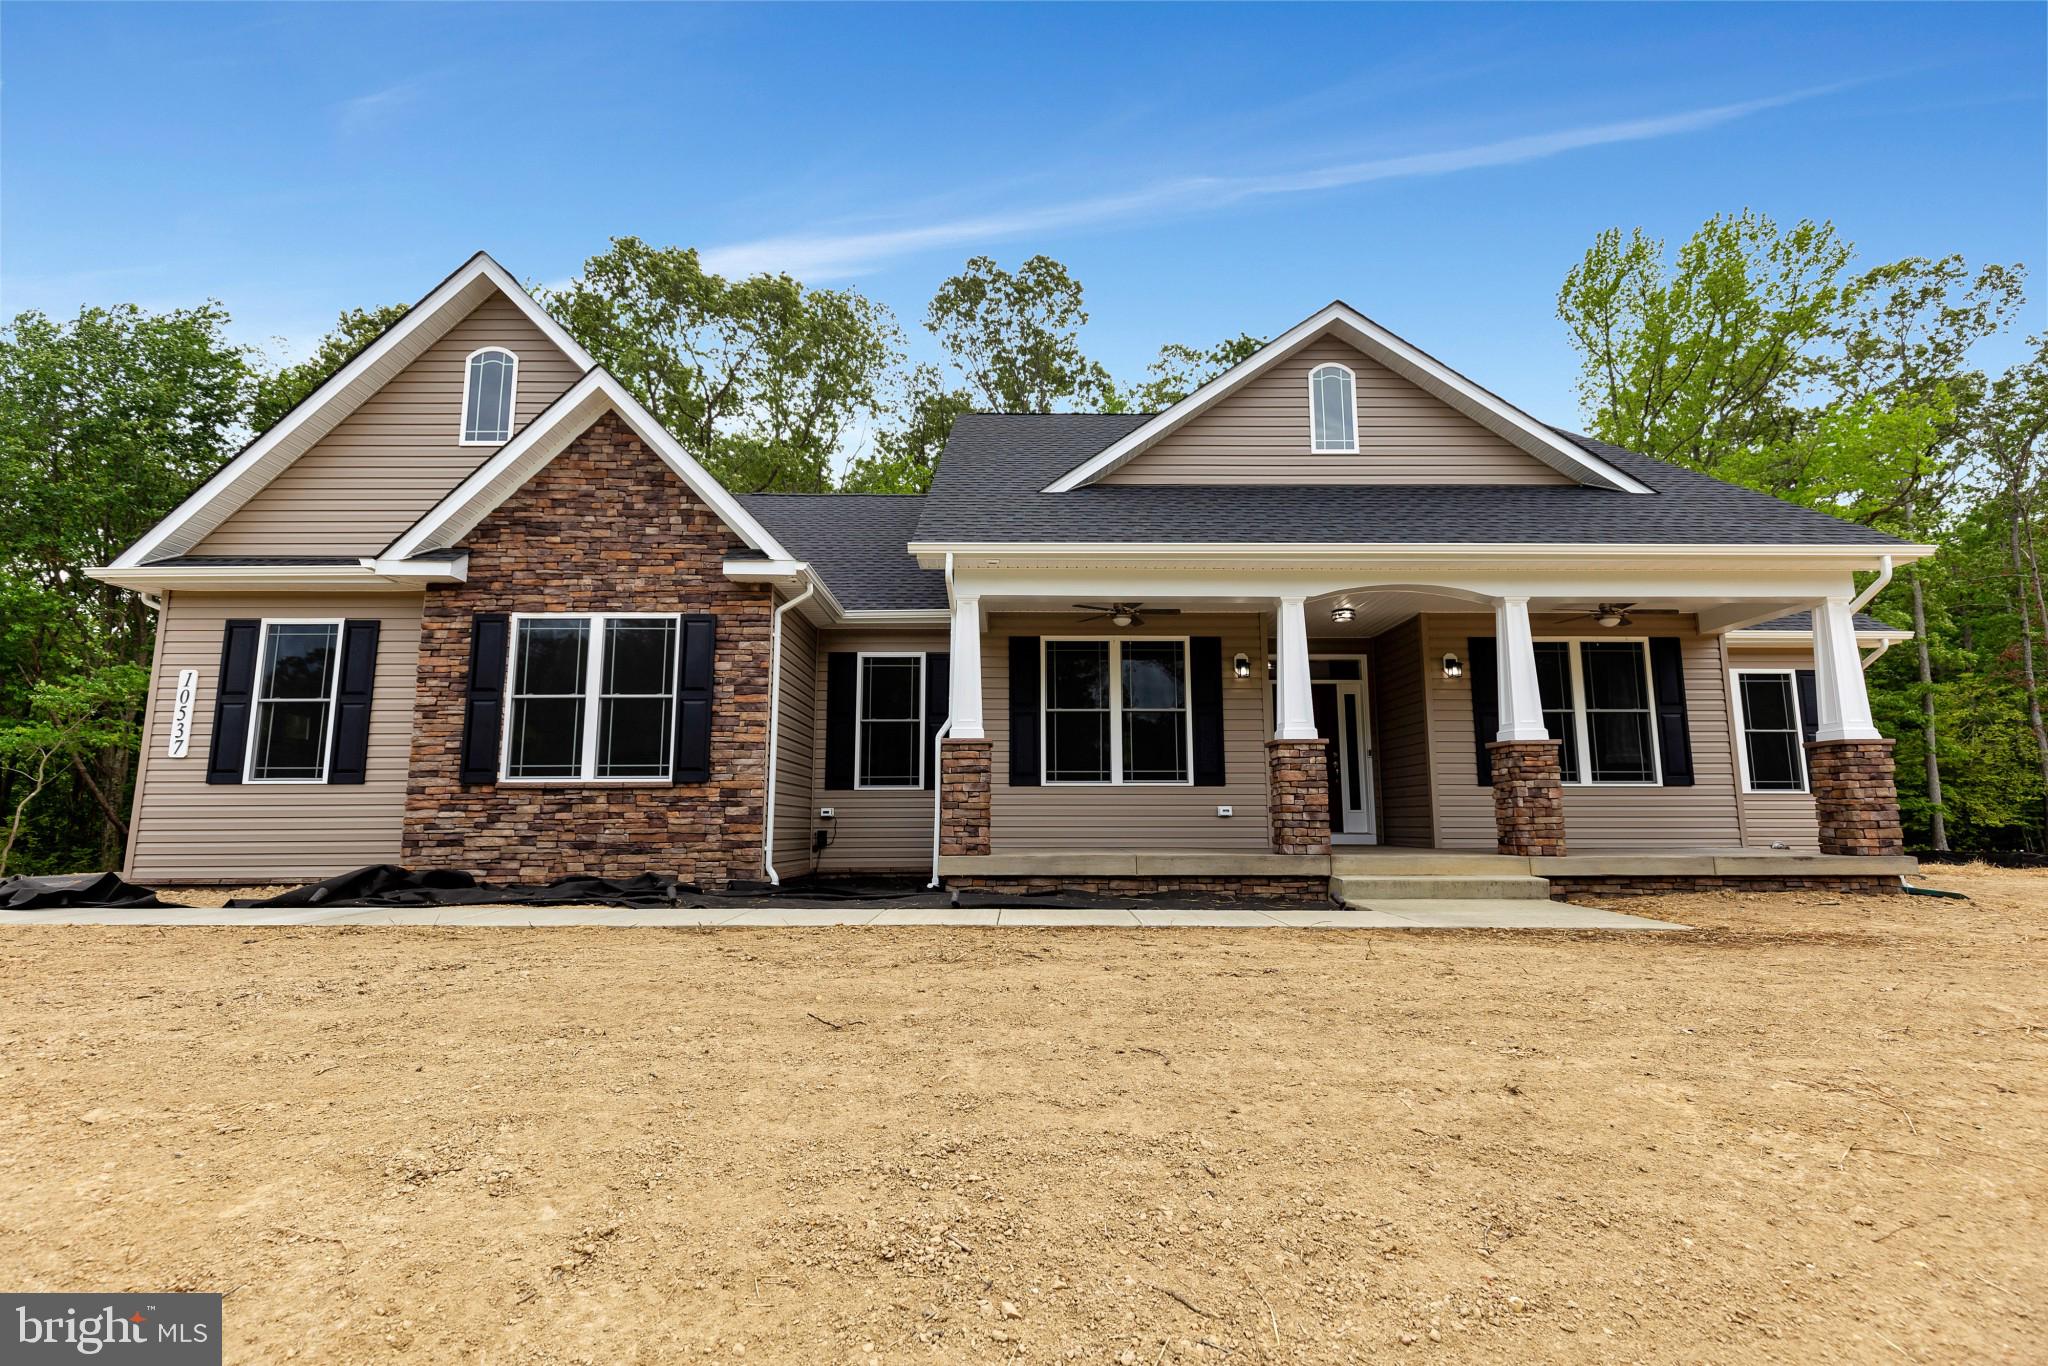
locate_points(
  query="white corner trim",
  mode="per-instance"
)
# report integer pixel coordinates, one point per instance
(238, 480)
(546, 437)
(1410, 362)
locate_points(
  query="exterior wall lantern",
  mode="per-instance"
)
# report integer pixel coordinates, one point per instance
(1241, 666)
(1453, 666)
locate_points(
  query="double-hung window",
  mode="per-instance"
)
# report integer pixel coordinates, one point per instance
(1773, 752)
(593, 698)
(297, 669)
(1116, 711)
(889, 739)
(1597, 703)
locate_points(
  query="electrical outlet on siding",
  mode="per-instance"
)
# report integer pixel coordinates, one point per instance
(1223, 811)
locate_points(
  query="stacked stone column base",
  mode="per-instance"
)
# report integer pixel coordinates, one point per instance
(964, 794)
(1528, 797)
(1855, 798)
(1298, 795)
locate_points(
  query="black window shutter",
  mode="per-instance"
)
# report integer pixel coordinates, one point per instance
(1205, 698)
(698, 667)
(233, 695)
(1024, 711)
(350, 760)
(842, 669)
(1481, 665)
(483, 715)
(1674, 732)
(1809, 704)
(938, 705)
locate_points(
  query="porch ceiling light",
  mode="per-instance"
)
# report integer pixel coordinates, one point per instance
(1241, 666)
(1122, 619)
(1453, 666)
(1342, 615)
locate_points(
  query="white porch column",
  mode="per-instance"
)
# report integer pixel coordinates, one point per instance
(966, 669)
(1296, 719)
(1838, 675)
(1521, 701)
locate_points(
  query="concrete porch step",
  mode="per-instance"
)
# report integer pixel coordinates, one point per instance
(1359, 890)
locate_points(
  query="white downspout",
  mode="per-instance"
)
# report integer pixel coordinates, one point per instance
(938, 743)
(774, 727)
(1884, 576)
(1874, 655)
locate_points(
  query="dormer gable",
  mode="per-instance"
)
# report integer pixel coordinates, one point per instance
(1337, 399)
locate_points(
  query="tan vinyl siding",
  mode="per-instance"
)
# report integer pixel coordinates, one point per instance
(1133, 816)
(1597, 819)
(399, 453)
(796, 742)
(1402, 742)
(187, 831)
(1774, 817)
(1260, 435)
(877, 829)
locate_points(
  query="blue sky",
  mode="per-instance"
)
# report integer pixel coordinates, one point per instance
(1202, 170)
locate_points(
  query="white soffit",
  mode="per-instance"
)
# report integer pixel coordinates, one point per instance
(270, 454)
(546, 437)
(1413, 364)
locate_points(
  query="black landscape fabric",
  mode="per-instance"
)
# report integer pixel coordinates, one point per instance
(74, 891)
(389, 885)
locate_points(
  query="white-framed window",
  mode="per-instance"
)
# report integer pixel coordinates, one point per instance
(490, 384)
(298, 668)
(1333, 410)
(1773, 749)
(1115, 711)
(889, 733)
(592, 697)
(1598, 703)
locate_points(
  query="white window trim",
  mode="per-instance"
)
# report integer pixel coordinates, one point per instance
(511, 398)
(1583, 747)
(860, 730)
(1116, 712)
(256, 697)
(593, 680)
(1351, 378)
(1791, 677)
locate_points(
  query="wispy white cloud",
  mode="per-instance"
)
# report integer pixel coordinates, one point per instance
(364, 113)
(828, 254)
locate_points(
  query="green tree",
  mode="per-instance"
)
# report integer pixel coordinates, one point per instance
(1016, 337)
(906, 453)
(761, 379)
(1182, 369)
(279, 391)
(68, 725)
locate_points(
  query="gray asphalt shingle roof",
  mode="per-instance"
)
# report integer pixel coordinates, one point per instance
(988, 482)
(856, 541)
(1803, 621)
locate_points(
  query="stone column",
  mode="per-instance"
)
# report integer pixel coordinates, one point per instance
(965, 768)
(1855, 798)
(1298, 795)
(1528, 797)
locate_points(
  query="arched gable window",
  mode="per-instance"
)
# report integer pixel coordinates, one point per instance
(1332, 410)
(490, 380)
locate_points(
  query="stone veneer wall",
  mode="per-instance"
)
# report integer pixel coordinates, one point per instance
(1298, 795)
(606, 526)
(1528, 796)
(1256, 888)
(1873, 884)
(1855, 798)
(964, 795)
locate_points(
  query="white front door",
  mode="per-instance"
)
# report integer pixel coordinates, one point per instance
(1344, 719)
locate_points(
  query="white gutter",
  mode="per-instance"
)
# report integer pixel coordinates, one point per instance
(938, 743)
(1884, 576)
(774, 720)
(1876, 654)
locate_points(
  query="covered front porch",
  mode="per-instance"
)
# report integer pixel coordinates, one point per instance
(1391, 707)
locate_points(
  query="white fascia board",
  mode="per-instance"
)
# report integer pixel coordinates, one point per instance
(1751, 640)
(368, 575)
(234, 483)
(823, 608)
(547, 436)
(1412, 363)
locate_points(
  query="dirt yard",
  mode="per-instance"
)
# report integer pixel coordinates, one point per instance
(1815, 1129)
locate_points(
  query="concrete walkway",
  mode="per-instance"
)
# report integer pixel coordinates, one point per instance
(1381, 915)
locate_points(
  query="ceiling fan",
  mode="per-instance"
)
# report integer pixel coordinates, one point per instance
(1609, 614)
(1122, 613)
